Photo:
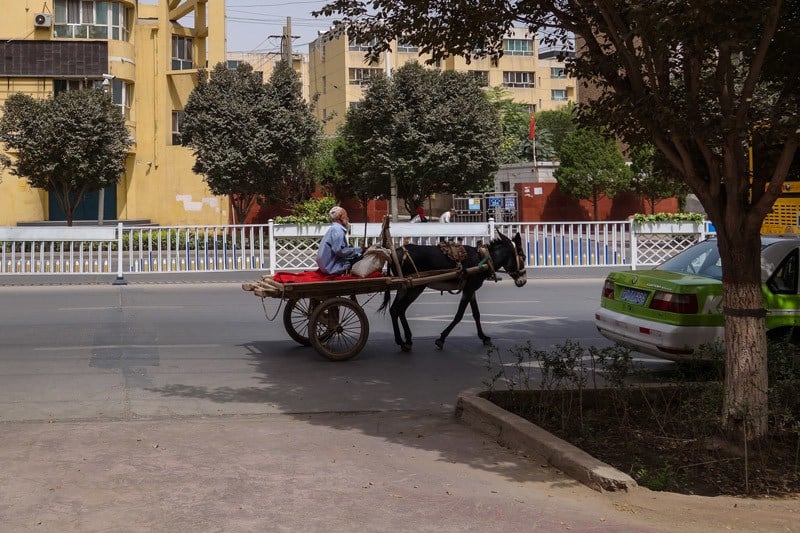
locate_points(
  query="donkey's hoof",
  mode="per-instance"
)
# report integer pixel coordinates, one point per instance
(406, 347)
(487, 341)
(439, 343)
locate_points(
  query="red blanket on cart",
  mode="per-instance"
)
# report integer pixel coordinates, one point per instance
(316, 275)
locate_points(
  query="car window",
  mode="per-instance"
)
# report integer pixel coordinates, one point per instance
(784, 279)
(701, 260)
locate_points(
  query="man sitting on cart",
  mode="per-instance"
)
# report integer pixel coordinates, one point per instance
(334, 256)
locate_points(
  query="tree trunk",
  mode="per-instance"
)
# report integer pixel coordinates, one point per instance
(745, 404)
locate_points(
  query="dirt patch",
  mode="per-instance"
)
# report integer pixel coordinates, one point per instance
(669, 438)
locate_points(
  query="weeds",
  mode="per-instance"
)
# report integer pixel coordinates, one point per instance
(664, 429)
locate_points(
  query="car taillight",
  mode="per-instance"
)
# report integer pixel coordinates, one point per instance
(608, 289)
(674, 303)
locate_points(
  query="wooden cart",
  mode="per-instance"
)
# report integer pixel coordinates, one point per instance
(327, 315)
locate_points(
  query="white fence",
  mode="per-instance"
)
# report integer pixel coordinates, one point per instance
(273, 247)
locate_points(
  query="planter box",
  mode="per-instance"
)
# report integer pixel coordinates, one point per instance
(669, 228)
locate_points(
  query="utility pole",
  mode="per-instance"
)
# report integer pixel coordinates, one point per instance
(392, 177)
(286, 41)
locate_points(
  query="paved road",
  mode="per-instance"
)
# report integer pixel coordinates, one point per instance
(206, 349)
(178, 407)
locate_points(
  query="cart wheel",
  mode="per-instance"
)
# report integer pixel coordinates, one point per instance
(295, 318)
(338, 328)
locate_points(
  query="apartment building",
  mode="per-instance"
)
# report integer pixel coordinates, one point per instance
(146, 54)
(338, 73)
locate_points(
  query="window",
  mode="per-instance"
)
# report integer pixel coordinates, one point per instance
(233, 64)
(90, 19)
(360, 76)
(181, 53)
(558, 73)
(405, 48)
(324, 85)
(362, 47)
(784, 280)
(481, 77)
(60, 86)
(519, 79)
(177, 126)
(121, 96)
(558, 94)
(518, 47)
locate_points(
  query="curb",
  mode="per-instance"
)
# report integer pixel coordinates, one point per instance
(515, 432)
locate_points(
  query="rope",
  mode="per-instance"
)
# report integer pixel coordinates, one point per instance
(280, 304)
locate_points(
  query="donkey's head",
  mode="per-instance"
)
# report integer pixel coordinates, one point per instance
(507, 255)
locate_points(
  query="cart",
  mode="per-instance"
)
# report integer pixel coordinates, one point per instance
(327, 315)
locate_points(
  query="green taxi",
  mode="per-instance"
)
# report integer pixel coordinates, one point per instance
(672, 310)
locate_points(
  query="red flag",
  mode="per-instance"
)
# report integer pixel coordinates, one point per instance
(532, 129)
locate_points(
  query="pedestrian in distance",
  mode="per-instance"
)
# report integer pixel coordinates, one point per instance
(420, 216)
(446, 217)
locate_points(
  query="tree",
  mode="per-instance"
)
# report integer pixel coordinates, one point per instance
(249, 139)
(515, 146)
(71, 144)
(591, 167)
(552, 127)
(697, 79)
(653, 178)
(434, 131)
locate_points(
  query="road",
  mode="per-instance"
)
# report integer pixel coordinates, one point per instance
(139, 350)
(179, 407)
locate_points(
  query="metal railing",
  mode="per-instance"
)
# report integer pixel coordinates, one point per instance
(273, 247)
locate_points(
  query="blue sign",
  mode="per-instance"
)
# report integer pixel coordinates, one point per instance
(494, 201)
(511, 202)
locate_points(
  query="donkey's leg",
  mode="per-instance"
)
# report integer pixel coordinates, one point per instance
(476, 314)
(398, 312)
(462, 306)
(393, 313)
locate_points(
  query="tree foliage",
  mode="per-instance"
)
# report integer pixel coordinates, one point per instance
(250, 139)
(591, 167)
(653, 178)
(433, 131)
(71, 144)
(697, 79)
(515, 146)
(552, 127)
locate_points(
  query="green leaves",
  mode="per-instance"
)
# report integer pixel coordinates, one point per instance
(71, 144)
(250, 139)
(591, 166)
(433, 131)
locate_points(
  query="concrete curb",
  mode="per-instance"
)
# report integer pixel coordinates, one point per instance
(515, 432)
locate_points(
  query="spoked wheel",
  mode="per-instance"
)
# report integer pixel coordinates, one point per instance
(296, 315)
(338, 328)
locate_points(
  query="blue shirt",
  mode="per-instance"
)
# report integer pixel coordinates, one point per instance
(334, 256)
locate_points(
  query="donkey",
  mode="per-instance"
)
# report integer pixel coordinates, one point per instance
(500, 254)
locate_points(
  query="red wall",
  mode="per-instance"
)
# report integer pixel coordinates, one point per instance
(543, 202)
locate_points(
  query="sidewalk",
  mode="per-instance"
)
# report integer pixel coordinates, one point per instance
(392, 471)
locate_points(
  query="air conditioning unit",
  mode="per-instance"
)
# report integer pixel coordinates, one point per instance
(43, 20)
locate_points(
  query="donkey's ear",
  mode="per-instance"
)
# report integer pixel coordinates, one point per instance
(502, 237)
(518, 240)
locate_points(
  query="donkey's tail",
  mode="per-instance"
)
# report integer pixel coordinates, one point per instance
(387, 295)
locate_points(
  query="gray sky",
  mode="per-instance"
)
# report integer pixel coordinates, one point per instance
(254, 26)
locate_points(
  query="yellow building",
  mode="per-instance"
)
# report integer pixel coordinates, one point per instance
(338, 71)
(146, 58)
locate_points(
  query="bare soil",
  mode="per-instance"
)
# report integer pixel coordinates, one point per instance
(670, 439)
